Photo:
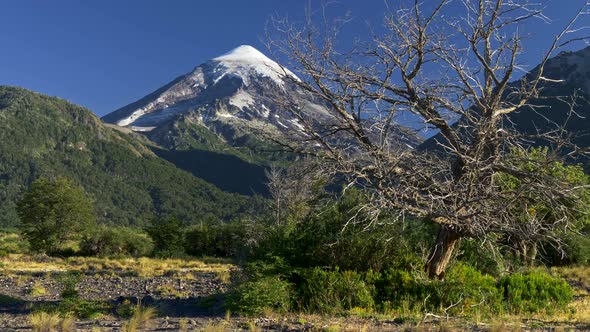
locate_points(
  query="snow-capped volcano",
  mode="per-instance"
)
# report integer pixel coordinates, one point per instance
(240, 86)
(224, 100)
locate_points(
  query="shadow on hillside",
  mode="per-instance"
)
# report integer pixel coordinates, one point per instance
(229, 173)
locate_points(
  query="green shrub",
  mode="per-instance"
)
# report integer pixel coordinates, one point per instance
(464, 290)
(253, 297)
(220, 240)
(486, 257)
(69, 281)
(12, 243)
(168, 236)
(575, 252)
(116, 241)
(472, 290)
(328, 291)
(534, 292)
(396, 287)
(74, 306)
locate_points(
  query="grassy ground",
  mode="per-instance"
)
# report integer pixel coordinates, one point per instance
(142, 267)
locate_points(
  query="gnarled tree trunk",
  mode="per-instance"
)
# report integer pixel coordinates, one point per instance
(442, 252)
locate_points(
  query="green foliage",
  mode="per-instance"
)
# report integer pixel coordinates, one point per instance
(325, 291)
(81, 308)
(535, 291)
(12, 243)
(68, 282)
(168, 236)
(334, 235)
(485, 257)
(218, 239)
(535, 204)
(576, 250)
(47, 136)
(54, 212)
(116, 241)
(253, 297)
(471, 290)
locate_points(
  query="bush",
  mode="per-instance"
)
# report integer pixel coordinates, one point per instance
(471, 289)
(220, 240)
(168, 236)
(253, 297)
(327, 291)
(116, 241)
(576, 250)
(464, 290)
(486, 257)
(534, 292)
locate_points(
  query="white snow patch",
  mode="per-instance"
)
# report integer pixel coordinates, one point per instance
(244, 59)
(241, 99)
(296, 123)
(130, 119)
(265, 111)
(282, 124)
(142, 129)
(225, 115)
(218, 78)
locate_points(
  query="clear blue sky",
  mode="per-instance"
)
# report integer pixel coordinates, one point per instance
(104, 54)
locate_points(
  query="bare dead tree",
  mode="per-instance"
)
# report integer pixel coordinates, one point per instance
(437, 65)
(291, 188)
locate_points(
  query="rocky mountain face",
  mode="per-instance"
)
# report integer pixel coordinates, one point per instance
(220, 101)
(224, 104)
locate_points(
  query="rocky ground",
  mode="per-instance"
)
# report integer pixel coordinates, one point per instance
(191, 301)
(182, 303)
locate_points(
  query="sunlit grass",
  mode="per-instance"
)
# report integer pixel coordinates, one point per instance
(49, 322)
(141, 317)
(142, 267)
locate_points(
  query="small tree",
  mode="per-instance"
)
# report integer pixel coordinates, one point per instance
(54, 212)
(168, 236)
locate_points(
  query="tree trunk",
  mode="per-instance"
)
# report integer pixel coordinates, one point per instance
(441, 254)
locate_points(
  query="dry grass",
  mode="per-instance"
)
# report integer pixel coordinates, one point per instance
(183, 325)
(44, 322)
(141, 317)
(38, 289)
(142, 267)
(577, 274)
(67, 324)
(215, 326)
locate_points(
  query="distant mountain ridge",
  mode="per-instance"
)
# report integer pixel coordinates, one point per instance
(566, 74)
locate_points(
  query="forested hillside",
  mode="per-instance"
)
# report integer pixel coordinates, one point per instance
(47, 136)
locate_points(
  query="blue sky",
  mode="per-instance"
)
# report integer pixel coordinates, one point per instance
(104, 54)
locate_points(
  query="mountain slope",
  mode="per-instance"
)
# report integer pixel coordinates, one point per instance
(567, 74)
(226, 106)
(47, 136)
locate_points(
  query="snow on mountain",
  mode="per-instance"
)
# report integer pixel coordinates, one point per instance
(245, 60)
(239, 86)
(232, 95)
